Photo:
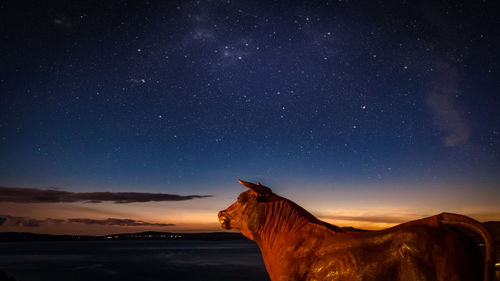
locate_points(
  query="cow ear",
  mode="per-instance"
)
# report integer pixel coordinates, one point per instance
(259, 188)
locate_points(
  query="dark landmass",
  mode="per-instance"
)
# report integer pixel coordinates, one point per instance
(148, 235)
(350, 228)
(492, 226)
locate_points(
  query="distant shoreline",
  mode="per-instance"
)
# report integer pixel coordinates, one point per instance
(147, 235)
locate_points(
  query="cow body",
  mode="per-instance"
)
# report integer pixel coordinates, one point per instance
(297, 246)
(421, 251)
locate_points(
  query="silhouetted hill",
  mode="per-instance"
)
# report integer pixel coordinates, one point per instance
(151, 235)
(28, 236)
(148, 235)
(492, 226)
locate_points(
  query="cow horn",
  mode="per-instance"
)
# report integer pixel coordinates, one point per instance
(259, 188)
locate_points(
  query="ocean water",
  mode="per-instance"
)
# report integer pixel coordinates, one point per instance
(133, 260)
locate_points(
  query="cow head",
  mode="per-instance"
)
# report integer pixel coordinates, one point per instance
(244, 214)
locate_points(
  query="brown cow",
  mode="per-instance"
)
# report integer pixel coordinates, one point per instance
(297, 246)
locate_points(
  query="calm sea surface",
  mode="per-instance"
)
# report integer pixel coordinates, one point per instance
(133, 260)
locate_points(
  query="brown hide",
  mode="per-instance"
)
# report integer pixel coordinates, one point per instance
(297, 246)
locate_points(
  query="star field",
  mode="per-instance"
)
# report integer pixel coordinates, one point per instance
(143, 95)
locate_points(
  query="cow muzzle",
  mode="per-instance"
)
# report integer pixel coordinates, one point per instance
(224, 220)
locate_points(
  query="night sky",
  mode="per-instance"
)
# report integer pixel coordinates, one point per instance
(367, 113)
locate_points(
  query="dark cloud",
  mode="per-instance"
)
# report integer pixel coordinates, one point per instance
(35, 195)
(25, 221)
(32, 222)
(114, 221)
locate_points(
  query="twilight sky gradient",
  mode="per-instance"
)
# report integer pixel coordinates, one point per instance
(367, 114)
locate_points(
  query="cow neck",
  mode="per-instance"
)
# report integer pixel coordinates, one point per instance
(283, 217)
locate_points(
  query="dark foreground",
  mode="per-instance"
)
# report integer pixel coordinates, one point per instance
(133, 260)
(207, 257)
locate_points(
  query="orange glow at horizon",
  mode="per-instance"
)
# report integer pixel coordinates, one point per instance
(368, 208)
